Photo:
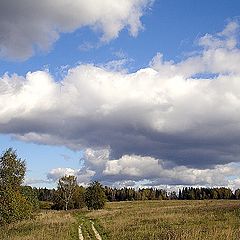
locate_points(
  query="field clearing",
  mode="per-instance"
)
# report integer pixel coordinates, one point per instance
(145, 220)
(189, 220)
(48, 225)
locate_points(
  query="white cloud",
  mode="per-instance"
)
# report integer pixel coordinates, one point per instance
(57, 173)
(212, 59)
(133, 170)
(163, 114)
(32, 181)
(29, 25)
(83, 175)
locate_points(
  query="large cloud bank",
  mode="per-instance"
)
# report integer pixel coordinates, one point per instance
(154, 124)
(27, 25)
(133, 170)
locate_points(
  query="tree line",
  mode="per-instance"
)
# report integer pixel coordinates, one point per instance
(19, 202)
(132, 194)
(186, 193)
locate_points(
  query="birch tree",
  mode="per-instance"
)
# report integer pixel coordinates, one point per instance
(66, 188)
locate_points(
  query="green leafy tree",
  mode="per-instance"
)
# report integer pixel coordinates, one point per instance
(237, 193)
(78, 198)
(13, 204)
(14, 207)
(12, 170)
(95, 197)
(31, 195)
(65, 192)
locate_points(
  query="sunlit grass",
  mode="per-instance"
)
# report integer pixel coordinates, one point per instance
(171, 220)
(186, 220)
(48, 225)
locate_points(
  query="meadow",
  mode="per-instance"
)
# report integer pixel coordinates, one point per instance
(189, 220)
(47, 225)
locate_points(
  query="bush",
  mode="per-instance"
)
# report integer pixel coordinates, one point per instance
(13, 207)
(31, 196)
(46, 205)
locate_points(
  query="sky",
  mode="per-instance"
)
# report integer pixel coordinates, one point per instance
(131, 93)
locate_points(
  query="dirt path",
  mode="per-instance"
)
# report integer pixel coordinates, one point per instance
(97, 235)
(80, 233)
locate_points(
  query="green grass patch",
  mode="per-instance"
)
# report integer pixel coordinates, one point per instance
(86, 226)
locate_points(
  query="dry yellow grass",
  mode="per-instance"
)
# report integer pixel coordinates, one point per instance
(175, 220)
(49, 225)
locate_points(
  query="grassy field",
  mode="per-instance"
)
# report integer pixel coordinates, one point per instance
(48, 225)
(178, 220)
(188, 220)
(52, 225)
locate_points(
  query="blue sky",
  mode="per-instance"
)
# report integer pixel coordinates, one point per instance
(170, 27)
(71, 114)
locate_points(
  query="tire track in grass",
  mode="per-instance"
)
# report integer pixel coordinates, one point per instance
(86, 228)
(86, 233)
(80, 232)
(97, 235)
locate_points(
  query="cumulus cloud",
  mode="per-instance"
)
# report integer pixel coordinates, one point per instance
(57, 173)
(26, 26)
(182, 116)
(133, 170)
(211, 59)
(84, 176)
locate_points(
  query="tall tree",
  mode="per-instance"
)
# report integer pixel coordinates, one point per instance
(12, 170)
(95, 196)
(13, 204)
(66, 188)
(78, 199)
